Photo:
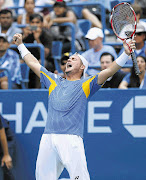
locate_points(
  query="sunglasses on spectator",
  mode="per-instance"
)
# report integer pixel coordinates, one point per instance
(139, 33)
(63, 63)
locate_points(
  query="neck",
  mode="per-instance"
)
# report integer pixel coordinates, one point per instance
(139, 45)
(71, 77)
(2, 53)
(98, 47)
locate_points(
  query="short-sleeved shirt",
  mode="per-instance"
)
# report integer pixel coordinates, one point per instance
(10, 60)
(67, 102)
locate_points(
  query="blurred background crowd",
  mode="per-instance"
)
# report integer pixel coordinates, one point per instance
(54, 30)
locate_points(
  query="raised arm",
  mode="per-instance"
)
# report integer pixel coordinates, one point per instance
(29, 59)
(117, 64)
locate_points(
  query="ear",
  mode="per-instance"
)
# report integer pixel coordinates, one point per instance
(82, 67)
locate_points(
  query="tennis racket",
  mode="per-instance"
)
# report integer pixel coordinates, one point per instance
(123, 22)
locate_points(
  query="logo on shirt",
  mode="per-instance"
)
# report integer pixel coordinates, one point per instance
(77, 177)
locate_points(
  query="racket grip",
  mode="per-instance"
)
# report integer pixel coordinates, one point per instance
(137, 71)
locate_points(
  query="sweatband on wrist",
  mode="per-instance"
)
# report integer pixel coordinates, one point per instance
(23, 50)
(122, 59)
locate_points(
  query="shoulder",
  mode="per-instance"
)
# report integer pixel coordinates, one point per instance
(87, 52)
(12, 52)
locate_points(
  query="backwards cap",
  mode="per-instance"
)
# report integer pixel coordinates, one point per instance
(85, 62)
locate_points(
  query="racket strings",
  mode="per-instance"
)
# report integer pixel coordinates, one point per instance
(123, 20)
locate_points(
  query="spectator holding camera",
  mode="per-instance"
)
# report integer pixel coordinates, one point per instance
(35, 33)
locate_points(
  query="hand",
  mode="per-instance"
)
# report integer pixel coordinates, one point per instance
(17, 39)
(130, 44)
(7, 160)
(37, 34)
(26, 31)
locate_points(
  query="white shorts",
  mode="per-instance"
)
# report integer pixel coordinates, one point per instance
(59, 151)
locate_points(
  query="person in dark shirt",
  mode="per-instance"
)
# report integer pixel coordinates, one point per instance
(7, 149)
(106, 60)
(35, 33)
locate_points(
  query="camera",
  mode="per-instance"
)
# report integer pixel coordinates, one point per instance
(33, 28)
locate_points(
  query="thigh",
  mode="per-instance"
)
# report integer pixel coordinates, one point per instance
(72, 154)
(48, 165)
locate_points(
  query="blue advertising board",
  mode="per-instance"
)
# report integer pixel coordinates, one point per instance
(114, 136)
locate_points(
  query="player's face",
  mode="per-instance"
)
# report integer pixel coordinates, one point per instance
(105, 61)
(73, 64)
(141, 64)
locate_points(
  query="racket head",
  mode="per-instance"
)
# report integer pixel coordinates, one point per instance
(123, 21)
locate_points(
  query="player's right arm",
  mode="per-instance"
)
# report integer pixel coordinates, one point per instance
(29, 59)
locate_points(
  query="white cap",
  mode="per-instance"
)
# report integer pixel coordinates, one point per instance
(85, 62)
(94, 33)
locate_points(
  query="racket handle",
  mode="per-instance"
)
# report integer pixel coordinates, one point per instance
(137, 71)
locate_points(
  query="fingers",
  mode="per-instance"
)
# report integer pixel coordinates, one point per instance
(8, 164)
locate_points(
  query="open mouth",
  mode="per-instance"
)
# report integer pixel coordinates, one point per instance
(69, 65)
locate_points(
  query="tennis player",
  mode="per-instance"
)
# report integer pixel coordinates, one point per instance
(61, 144)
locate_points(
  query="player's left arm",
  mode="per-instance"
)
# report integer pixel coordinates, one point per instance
(117, 64)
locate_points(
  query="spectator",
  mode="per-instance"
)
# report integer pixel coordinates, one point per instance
(7, 27)
(62, 14)
(35, 33)
(131, 80)
(9, 59)
(6, 4)
(95, 37)
(106, 60)
(63, 62)
(140, 44)
(29, 6)
(138, 10)
(7, 150)
(86, 13)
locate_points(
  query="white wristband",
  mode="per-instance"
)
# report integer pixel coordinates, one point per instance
(23, 50)
(122, 59)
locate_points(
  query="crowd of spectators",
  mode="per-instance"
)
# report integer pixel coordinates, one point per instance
(43, 25)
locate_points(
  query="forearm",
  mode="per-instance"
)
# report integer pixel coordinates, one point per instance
(113, 68)
(29, 59)
(4, 143)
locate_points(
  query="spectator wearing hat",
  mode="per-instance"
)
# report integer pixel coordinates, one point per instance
(95, 37)
(138, 11)
(63, 62)
(140, 44)
(9, 60)
(61, 14)
(6, 24)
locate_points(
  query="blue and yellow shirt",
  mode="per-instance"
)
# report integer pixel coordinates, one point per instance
(67, 102)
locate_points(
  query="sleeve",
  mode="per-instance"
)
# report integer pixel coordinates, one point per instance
(48, 78)
(90, 86)
(127, 78)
